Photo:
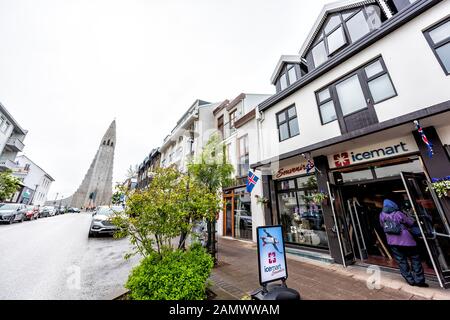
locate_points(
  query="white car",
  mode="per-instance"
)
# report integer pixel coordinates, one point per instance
(101, 220)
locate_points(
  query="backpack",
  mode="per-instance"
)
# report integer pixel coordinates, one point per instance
(392, 227)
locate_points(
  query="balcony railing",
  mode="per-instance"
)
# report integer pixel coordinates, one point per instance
(15, 144)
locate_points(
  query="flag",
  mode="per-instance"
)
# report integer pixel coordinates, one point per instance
(252, 179)
(309, 165)
(424, 139)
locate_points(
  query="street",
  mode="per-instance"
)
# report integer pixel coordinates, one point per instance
(53, 258)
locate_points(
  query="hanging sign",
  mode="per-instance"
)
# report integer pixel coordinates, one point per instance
(382, 150)
(271, 254)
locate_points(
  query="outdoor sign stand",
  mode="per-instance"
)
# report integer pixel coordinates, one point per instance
(272, 266)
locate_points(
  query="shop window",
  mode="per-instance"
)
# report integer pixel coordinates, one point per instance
(438, 38)
(301, 218)
(394, 170)
(287, 123)
(360, 175)
(242, 214)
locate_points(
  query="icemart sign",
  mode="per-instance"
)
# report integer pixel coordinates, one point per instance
(271, 254)
(386, 149)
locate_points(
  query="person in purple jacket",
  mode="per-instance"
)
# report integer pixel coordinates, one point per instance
(403, 245)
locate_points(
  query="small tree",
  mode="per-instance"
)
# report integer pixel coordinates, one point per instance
(8, 185)
(154, 217)
(212, 170)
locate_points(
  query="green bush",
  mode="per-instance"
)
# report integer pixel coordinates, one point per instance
(174, 275)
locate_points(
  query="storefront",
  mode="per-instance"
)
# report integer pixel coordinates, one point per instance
(297, 211)
(237, 213)
(356, 177)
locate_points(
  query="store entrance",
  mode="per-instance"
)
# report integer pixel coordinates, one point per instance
(363, 203)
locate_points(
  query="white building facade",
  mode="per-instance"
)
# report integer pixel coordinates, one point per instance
(349, 102)
(189, 136)
(11, 139)
(36, 182)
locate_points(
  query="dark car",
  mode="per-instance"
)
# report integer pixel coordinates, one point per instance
(47, 211)
(72, 210)
(31, 213)
(10, 212)
(101, 220)
(60, 210)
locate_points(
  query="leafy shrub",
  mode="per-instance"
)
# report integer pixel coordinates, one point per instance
(174, 275)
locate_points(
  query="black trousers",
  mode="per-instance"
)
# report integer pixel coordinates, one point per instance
(413, 273)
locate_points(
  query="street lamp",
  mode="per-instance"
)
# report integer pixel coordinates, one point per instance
(34, 193)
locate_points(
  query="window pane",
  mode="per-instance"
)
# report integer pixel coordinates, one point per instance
(319, 54)
(336, 40)
(357, 175)
(284, 134)
(293, 126)
(350, 95)
(292, 112)
(440, 33)
(332, 22)
(347, 14)
(292, 75)
(324, 95)
(328, 112)
(357, 26)
(444, 54)
(283, 82)
(381, 88)
(287, 184)
(374, 69)
(282, 117)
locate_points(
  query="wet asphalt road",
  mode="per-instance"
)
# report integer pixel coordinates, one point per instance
(53, 258)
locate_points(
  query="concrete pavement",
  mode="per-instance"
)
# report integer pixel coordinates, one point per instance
(53, 258)
(237, 275)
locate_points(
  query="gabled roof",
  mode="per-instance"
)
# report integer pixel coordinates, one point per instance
(326, 11)
(283, 59)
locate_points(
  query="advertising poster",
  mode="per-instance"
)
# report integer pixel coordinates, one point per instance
(271, 254)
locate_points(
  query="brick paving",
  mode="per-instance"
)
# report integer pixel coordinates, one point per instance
(237, 275)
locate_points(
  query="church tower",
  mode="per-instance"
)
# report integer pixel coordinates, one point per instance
(96, 188)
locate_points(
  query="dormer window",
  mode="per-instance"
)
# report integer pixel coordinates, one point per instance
(342, 29)
(288, 76)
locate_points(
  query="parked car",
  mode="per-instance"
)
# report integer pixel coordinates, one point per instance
(31, 213)
(60, 210)
(10, 212)
(47, 211)
(76, 210)
(101, 220)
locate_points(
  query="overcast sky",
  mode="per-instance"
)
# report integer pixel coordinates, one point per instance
(69, 67)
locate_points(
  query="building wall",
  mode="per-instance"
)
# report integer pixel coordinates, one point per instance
(35, 176)
(405, 52)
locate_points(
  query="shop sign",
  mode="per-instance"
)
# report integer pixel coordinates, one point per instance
(292, 170)
(271, 254)
(386, 149)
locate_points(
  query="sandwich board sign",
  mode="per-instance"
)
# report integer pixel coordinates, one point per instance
(271, 254)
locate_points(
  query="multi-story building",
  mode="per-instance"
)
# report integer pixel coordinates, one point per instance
(11, 139)
(35, 182)
(189, 136)
(147, 168)
(236, 124)
(349, 102)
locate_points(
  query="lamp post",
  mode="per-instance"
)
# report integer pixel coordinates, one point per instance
(34, 193)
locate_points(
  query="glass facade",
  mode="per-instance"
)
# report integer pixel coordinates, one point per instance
(301, 218)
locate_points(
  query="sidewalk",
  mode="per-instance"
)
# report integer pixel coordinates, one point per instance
(237, 275)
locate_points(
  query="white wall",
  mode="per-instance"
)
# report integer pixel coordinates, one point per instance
(416, 74)
(444, 134)
(35, 176)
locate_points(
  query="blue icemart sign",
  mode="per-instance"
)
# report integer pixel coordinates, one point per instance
(271, 254)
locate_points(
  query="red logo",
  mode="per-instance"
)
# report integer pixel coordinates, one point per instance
(272, 257)
(341, 159)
